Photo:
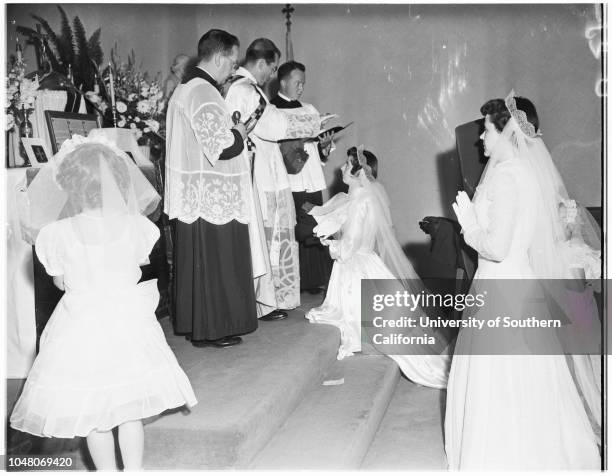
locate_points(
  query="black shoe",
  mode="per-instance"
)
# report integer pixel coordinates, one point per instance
(223, 342)
(276, 315)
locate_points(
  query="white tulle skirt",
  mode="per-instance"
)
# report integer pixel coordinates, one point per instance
(103, 361)
(342, 308)
(342, 305)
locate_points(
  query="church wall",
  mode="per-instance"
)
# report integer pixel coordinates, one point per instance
(407, 75)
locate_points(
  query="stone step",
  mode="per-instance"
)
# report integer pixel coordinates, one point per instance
(245, 393)
(334, 425)
(410, 436)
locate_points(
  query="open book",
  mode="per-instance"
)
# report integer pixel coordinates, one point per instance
(334, 129)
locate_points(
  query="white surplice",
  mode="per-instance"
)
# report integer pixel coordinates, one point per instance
(512, 412)
(279, 287)
(311, 178)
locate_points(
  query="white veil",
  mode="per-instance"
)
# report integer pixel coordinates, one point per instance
(566, 246)
(105, 177)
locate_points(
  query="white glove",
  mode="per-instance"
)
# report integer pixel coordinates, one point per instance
(464, 210)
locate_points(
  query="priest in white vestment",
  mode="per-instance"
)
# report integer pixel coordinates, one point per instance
(279, 288)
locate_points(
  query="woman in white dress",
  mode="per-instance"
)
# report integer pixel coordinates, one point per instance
(516, 412)
(364, 247)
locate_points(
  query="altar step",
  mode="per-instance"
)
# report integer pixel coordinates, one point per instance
(334, 425)
(410, 436)
(262, 405)
(245, 394)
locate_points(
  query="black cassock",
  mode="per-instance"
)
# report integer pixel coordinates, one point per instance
(315, 262)
(214, 296)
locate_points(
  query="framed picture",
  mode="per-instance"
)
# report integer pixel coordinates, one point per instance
(37, 150)
(63, 125)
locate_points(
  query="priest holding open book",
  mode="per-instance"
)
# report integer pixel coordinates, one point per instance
(307, 183)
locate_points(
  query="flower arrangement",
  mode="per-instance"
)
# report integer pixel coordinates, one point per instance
(139, 101)
(20, 94)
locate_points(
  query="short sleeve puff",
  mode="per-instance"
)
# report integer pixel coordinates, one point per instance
(49, 249)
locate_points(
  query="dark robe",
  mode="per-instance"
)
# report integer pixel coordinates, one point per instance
(213, 288)
(315, 262)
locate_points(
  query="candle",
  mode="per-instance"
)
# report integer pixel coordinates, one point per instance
(112, 85)
(112, 94)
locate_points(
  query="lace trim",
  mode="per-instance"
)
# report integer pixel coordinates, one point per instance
(216, 198)
(211, 126)
(301, 125)
(520, 117)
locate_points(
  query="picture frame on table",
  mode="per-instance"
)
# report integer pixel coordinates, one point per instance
(63, 125)
(37, 150)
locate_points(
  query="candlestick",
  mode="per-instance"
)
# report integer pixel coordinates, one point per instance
(112, 93)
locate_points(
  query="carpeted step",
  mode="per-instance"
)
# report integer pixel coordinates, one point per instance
(245, 393)
(410, 435)
(334, 425)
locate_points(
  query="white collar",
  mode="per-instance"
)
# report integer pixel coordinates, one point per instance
(206, 71)
(286, 98)
(242, 71)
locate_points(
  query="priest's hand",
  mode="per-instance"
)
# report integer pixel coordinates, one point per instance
(326, 143)
(466, 215)
(241, 128)
(307, 206)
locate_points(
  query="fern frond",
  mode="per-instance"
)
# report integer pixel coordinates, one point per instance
(94, 49)
(83, 74)
(67, 41)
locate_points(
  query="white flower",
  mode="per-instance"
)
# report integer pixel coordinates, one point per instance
(121, 106)
(93, 97)
(137, 119)
(132, 125)
(152, 124)
(146, 130)
(143, 107)
(132, 96)
(138, 133)
(121, 123)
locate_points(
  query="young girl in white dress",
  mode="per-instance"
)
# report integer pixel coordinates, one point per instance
(358, 229)
(103, 361)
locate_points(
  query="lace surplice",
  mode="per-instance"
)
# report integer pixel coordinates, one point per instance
(198, 185)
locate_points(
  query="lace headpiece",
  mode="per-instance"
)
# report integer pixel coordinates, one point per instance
(520, 117)
(367, 170)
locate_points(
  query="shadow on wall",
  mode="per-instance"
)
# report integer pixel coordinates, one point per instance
(449, 183)
(449, 180)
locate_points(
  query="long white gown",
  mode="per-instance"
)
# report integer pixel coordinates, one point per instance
(512, 412)
(357, 216)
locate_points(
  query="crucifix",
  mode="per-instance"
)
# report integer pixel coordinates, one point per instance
(287, 11)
